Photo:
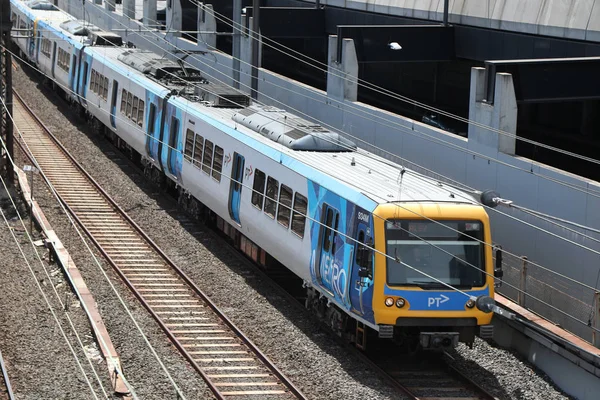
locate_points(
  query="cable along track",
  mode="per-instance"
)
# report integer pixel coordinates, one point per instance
(6, 392)
(230, 364)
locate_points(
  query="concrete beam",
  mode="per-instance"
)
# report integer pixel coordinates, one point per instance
(342, 78)
(149, 18)
(109, 5)
(501, 114)
(173, 18)
(207, 26)
(129, 8)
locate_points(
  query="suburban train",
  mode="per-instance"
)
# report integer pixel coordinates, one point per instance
(382, 251)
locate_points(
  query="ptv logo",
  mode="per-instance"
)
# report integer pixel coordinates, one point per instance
(436, 301)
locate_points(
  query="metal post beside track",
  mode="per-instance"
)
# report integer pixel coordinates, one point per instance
(6, 126)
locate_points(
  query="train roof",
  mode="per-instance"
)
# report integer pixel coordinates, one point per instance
(358, 175)
(42, 10)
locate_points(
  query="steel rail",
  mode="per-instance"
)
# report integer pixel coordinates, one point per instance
(288, 388)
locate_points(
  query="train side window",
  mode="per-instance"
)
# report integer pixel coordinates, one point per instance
(327, 230)
(198, 146)
(285, 205)
(217, 163)
(359, 247)
(299, 214)
(189, 145)
(97, 83)
(140, 116)
(271, 196)
(129, 104)
(14, 20)
(123, 101)
(105, 88)
(258, 189)
(134, 109)
(93, 80)
(208, 154)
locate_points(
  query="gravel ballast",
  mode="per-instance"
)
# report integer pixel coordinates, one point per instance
(317, 364)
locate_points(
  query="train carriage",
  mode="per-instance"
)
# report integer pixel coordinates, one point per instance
(377, 246)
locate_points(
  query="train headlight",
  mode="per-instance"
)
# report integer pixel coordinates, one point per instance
(470, 303)
(389, 302)
(400, 302)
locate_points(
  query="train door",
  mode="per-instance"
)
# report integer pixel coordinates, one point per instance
(82, 85)
(326, 273)
(362, 270)
(113, 104)
(235, 188)
(39, 44)
(53, 59)
(151, 142)
(173, 142)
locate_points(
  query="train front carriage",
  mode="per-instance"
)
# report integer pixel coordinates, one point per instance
(432, 260)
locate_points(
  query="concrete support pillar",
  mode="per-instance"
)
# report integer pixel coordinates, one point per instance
(246, 59)
(109, 5)
(149, 18)
(129, 8)
(499, 115)
(207, 26)
(342, 78)
(174, 18)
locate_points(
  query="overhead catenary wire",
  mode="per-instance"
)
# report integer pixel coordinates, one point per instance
(375, 251)
(507, 252)
(74, 224)
(63, 333)
(381, 90)
(394, 124)
(581, 234)
(178, 151)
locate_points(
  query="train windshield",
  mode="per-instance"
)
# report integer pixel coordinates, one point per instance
(449, 251)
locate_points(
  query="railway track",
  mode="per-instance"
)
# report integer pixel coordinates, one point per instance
(427, 376)
(230, 364)
(6, 392)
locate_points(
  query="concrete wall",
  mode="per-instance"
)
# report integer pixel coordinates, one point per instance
(574, 19)
(469, 161)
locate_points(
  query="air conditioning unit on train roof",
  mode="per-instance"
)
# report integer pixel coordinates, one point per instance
(291, 131)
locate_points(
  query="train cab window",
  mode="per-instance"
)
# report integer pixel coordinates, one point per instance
(129, 104)
(258, 189)
(208, 153)
(123, 101)
(217, 164)
(299, 214)
(140, 116)
(285, 205)
(271, 196)
(189, 145)
(135, 109)
(198, 146)
(14, 20)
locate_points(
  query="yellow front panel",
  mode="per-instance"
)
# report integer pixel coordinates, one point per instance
(436, 211)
